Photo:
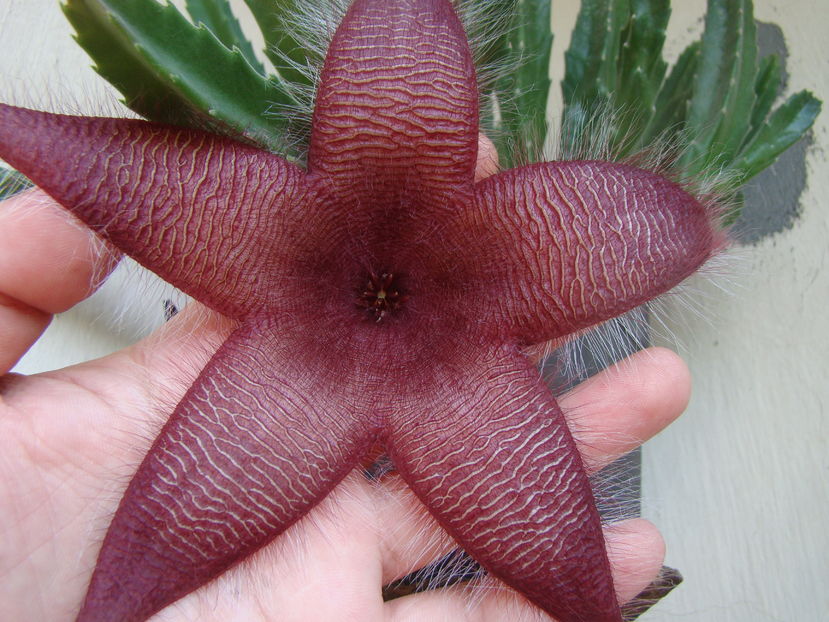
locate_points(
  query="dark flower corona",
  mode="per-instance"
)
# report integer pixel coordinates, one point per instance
(381, 296)
(381, 265)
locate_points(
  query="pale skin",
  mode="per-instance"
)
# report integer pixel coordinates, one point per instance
(71, 439)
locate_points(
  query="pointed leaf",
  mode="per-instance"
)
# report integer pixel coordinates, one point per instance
(785, 127)
(641, 66)
(171, 71)
(591, 76)
(528, 43)
(766, 89)
(220, 20)
(281, 47)
(669, 111)
(736, 115)
(591, 60)
(720, 110)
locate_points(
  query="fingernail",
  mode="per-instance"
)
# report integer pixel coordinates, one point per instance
(665, 582)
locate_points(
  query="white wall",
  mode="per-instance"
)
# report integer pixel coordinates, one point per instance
(740, 485)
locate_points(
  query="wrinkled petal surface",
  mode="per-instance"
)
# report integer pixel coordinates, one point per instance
(254, 444)
(397, 108)
(575, 243)
(493, 459)
(192, 207)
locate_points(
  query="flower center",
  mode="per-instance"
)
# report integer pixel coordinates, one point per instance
(380, 296)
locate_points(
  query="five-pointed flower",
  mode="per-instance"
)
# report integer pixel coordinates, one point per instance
(382, 296)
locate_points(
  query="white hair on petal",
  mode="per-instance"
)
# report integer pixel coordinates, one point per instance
(594, 134)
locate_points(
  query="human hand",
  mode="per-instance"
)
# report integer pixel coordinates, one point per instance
(71, 439)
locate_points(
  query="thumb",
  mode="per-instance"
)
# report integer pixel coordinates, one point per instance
(49, 261)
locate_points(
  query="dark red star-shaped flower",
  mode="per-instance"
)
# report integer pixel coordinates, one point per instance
(383, 297)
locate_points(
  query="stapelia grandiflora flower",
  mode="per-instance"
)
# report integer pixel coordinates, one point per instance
(382, 297)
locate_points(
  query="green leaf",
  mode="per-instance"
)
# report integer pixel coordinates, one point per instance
(12, 182)
(614, 66)
(173, 72)
(591, 60)
(592, 74)
(641, 66)
(715, 99)
(784, 127)
(766, 88)
(720, 110)
(220, 20)
(740, 100)
(281, 48)
(641, 70)
(670, 108)
(528, 43)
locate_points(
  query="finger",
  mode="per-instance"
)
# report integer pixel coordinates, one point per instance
(168, 361)
(20, 326)
(609, 415)
(331, 551)
(48, 262)
(48, 259)
(635, 549)
(487, 162)
(621, 407)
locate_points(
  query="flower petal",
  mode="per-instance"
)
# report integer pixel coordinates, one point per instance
(253, 445)
(492, 458)
(571, 244)
(397, 107)
(192, 207)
